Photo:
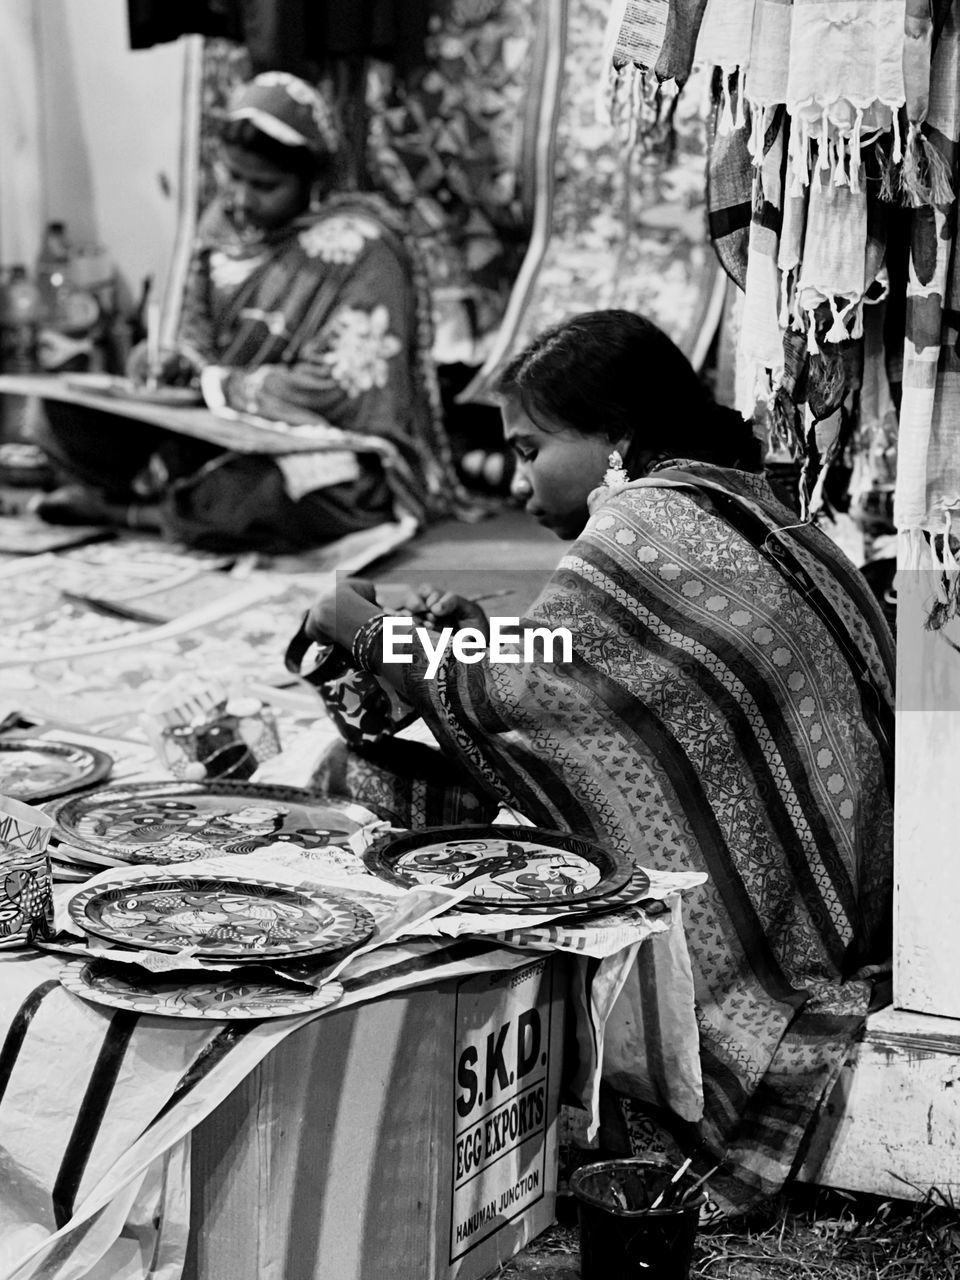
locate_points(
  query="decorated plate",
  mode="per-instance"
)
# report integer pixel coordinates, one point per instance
(33, 769)
(69, 872)
(507, 868)
(167, 822)
(631, 895)
(236, 917)
(105, 384)
(230, 996)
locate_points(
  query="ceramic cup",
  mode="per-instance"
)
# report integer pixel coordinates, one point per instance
(230, 739)
(26, 884)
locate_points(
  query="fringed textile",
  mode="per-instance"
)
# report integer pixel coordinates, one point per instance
(680, 40)
(761, 345)
(808, 104)
(729, 196)
(635, 32)
(874, 448)
(927, 499)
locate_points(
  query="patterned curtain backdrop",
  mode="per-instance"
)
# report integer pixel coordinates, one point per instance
(615, 226)
(455, 143)
(225, 65)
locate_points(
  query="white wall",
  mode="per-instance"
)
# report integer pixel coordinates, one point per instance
(21, 201)
(927, 844)
(89, 133)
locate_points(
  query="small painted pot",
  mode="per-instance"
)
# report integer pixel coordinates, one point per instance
(26, 883)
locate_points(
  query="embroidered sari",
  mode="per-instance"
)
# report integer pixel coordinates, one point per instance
(728, 709)
(325, 320)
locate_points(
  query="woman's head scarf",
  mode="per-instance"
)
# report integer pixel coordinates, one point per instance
(287, 109)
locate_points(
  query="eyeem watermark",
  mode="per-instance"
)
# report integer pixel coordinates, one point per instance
(506, 642)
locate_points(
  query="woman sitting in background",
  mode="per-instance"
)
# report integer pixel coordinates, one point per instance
(728, 710)
(301, 307)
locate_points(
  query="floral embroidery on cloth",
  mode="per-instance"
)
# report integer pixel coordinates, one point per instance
(229, 272)
(360, 346)
(340, 239)
(274, 321)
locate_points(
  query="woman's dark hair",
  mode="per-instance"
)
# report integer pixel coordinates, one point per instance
(303, 162)
(615, 374)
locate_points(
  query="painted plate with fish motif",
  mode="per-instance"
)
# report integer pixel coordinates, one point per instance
(167, 822)
(237, 917)
(226, 997)
(507, 868)
(34, 769)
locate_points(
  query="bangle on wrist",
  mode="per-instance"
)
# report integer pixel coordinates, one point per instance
(367, 646)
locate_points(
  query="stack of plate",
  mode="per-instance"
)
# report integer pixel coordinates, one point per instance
(508, 869)
(251, 926)
(243, 922)
(37, 769)
(179, 822)
(34, 770)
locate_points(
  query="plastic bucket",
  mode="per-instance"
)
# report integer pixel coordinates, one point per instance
(621, 1236)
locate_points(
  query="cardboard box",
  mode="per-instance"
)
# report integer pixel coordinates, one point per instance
(413, 1138)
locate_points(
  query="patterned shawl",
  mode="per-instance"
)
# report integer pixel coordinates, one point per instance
(728, 709)
(327, 320)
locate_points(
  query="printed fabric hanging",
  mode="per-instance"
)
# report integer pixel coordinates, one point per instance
(832, 114)
(927, 501)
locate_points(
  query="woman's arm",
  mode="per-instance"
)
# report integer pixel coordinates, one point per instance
(354, 371)
(339, 616)
(196, 334)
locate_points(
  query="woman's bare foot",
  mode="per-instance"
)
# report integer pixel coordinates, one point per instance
(75, 504)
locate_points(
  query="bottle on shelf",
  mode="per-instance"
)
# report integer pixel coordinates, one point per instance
(19, 330)
(53, 272)
(70, 311)
(94, 303)
(20, 311)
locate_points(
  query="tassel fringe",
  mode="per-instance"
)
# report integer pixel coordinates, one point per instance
(889, 178)
(855, 152)
(725, 122)
(924, 174)
(740, 118)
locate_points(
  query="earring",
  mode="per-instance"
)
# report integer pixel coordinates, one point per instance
(615, 474)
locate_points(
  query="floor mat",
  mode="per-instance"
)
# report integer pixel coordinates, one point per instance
(27, 536)
(90, 634)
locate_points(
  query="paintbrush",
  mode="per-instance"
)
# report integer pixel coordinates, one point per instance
(153, 345)
(699, 1183)
(496, 595)
(676, 1178)
(111, 610)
